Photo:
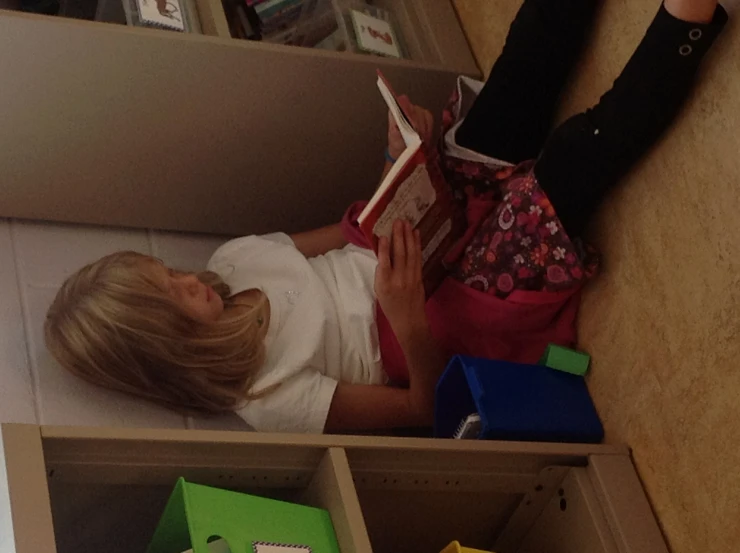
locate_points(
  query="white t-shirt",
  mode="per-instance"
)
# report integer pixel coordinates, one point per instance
(322, 326)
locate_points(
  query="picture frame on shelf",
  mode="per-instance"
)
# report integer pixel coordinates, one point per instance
(161, 14)
(374, 35)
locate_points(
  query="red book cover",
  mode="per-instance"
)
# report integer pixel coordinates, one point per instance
(415, 190)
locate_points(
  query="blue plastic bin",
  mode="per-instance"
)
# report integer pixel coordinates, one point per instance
(516, 402)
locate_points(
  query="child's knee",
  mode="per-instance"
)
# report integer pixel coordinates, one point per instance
(575, 146)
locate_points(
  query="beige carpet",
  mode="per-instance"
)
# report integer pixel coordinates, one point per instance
(662, 322)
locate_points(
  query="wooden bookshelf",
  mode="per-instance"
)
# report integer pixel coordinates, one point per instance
(430, 30)
(212, 18)
(432, 33)
(126, 126)
(106, 489)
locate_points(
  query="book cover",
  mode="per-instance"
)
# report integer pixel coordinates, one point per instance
(247, 29)
(415, 190)
(275, 7)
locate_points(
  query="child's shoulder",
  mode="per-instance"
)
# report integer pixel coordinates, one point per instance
(248, 246)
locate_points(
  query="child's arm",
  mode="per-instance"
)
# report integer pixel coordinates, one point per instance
(319, 241)
(398, 285)
(363, 407)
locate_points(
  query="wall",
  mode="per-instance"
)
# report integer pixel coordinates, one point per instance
(35, 258)
(114, 143)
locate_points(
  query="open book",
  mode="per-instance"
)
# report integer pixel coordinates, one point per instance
(415, 190)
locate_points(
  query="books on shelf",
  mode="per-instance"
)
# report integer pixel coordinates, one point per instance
(248, 22)
(264, 19)
(340, 25)
(278, 15)
(242, 19)
(415, 190)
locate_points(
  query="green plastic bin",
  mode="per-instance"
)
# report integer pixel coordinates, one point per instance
(196, 515)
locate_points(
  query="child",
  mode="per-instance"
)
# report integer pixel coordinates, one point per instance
(284, 330)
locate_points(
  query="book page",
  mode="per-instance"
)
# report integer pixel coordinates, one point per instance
(410, 203)
(410, 136)
(389, 179)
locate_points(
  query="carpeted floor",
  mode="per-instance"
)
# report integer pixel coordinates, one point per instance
(662, 321)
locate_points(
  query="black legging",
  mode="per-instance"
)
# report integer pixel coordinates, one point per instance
(585, 156)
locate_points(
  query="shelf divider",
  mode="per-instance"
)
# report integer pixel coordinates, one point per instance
(212, 18)
(332, 489)
(24, 492)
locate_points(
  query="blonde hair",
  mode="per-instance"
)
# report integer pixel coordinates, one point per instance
(115, 326)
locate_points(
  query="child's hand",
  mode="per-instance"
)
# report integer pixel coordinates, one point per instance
(398, 282)
(421, 119)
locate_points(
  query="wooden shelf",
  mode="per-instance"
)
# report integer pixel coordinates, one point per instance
(285, 137)
(212, 18)
(106, 489)
(433, 33)
(332, 488)
(430, 29)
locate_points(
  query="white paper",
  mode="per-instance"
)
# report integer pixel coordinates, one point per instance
(409, 135)
(412, 200)
(167, 13)
(411, 139)
(220, 546)
(375, 35)
(278, 548)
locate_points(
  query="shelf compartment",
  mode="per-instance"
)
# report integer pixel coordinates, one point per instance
(419, 501)
(119, 489)
(430, 31)
(571, 522)
(107, 488)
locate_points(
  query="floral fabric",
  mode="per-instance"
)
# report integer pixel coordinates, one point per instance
(515, 240)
